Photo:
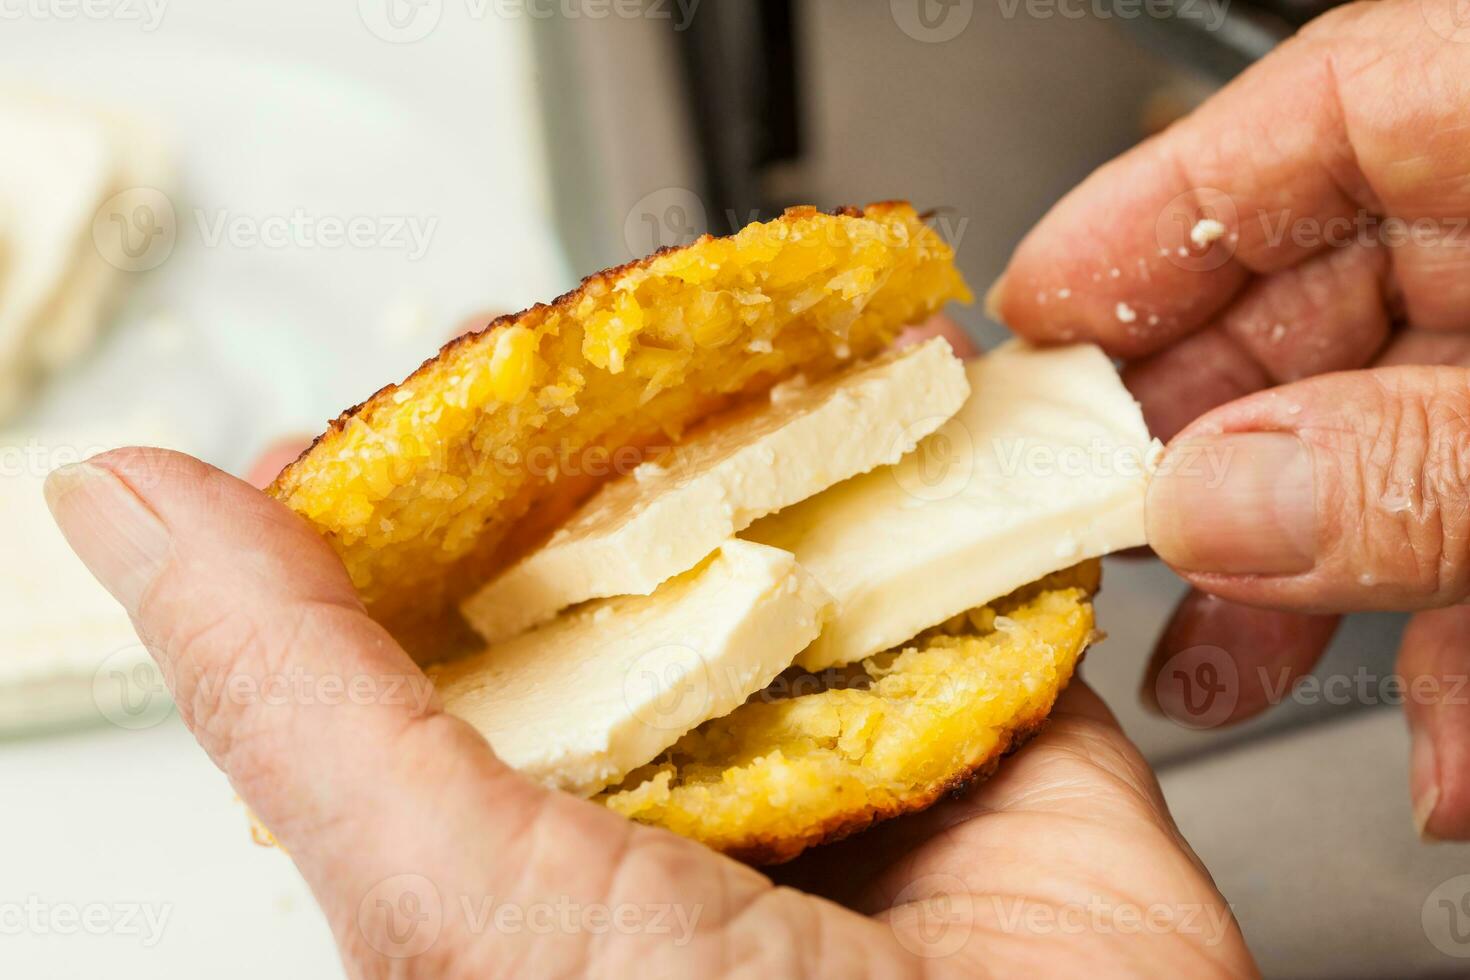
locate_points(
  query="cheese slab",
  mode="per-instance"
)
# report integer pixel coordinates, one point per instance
(643, 528)
(65, 166)
(582, 701)
(70, 655)
(1046, 465)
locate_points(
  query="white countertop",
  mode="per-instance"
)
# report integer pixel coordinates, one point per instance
(138, 831)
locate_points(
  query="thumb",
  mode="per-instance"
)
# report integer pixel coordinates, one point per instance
(1347, 491)
(324, 725)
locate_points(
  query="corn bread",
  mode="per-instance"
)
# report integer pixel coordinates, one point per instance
(889, 736)
(878, 638)
(432, 485)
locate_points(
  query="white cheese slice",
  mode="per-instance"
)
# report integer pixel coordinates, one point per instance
(69, 654)
(643, 528)
(62, 165)
(596, 693)
(1045, 466)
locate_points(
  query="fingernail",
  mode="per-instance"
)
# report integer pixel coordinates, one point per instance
(993, 297)
(1239, 504)
(1423, 780)
(118, 538)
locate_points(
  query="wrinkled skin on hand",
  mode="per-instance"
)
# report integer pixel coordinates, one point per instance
(431, 858)
(1308, 345)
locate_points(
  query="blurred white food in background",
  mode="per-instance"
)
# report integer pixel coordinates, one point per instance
(69, 654)
(63, 163)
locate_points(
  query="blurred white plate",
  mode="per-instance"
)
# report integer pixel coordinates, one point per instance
(278, 111)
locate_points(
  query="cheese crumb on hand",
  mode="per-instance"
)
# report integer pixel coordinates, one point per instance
(1206, 231)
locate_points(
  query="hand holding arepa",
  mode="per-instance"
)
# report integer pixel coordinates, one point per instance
(1286, 274)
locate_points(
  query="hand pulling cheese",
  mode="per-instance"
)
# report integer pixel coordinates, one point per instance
(1046, 465)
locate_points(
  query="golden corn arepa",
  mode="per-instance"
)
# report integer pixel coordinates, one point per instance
(816, 757)
(432, 485)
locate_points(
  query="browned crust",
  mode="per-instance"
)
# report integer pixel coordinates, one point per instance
(535, 313)
(758, 850)
(779, 850)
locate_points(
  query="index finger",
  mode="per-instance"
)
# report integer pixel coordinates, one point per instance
(1155, 244)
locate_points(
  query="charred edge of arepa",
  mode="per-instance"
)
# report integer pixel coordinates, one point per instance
(764, 851)
(761, 850)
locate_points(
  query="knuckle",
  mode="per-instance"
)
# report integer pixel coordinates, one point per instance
(225, 666)
(1412, 487)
